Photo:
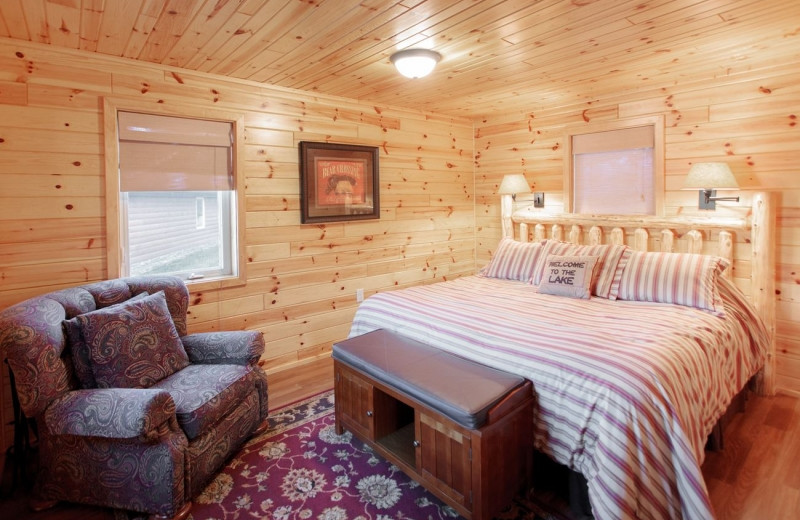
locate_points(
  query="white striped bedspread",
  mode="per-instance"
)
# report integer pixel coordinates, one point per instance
(627, 391)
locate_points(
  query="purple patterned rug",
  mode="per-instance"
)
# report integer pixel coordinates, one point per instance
(300, 469)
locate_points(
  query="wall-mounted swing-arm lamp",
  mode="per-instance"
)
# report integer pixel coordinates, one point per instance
(509, 187)
(709, 177)
(513, 184)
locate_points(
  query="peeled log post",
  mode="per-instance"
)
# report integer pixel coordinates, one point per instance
(763, 276)
(694, 242)
(667, 241)
(506, 207)
(595, 236)
(617, 236)
(575, 234)
(558, 232)
(725, 250)
(539, 232)
(640, 238)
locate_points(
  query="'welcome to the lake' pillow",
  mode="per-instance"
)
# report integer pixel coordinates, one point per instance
(568, 276)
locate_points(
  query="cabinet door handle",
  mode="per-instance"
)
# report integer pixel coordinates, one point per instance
(416, 443)
(369, 413)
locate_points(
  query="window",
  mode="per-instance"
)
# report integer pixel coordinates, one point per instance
(178, 208)
(616, 168)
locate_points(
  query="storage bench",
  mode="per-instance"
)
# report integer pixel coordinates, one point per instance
(461, 429)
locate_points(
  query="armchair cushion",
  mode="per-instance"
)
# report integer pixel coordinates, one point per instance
(230, 347)
(134, 344)
(204, 394)
(79, 350)
(113, 413)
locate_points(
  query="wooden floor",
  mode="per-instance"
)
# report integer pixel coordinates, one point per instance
(756, 476)
(757, 473)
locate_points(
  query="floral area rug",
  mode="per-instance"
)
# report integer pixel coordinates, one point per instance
(300, 469)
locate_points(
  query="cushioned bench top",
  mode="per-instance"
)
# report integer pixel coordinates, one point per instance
(458, 388)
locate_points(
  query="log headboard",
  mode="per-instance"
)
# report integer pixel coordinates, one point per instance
(747, 243)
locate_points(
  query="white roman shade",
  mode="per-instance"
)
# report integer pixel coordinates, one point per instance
(613, 171)
(165, 153)
(613, 140)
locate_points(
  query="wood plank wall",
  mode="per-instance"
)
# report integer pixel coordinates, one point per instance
(301, 279)
(748, 119)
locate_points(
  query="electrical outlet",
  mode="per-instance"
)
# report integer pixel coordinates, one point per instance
(359, 295)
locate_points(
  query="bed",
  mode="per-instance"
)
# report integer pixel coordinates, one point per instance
(630, 382)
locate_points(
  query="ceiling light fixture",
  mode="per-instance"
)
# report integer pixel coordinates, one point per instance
(415, 63)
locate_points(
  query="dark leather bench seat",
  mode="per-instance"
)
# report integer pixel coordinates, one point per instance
(457, 388)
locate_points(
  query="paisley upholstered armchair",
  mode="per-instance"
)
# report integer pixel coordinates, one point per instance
(132, 412)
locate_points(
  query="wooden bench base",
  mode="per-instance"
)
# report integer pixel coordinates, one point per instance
(477, 472)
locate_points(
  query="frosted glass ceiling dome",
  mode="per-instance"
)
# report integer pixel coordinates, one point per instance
(415, 63)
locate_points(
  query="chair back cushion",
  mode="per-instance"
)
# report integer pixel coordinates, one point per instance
(175, 290)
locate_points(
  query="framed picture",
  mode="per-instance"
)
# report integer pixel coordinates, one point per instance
(338, 182)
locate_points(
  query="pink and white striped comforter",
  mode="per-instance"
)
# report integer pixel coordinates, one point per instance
(627, 391)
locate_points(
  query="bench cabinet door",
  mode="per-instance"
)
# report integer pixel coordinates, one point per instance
(444, 457)
(354, 402)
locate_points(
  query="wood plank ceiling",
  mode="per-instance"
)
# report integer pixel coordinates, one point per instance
(498, 55)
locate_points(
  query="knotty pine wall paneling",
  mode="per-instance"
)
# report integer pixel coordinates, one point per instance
(301, 279)
(747, 118)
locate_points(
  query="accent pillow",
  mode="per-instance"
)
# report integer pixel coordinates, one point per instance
(133, 344)
(568, 276)
(79, 351)
(680, 278)
(611, 259)
(514, 260)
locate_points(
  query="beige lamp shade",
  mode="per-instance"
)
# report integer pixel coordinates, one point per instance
(513, 184)
(708, 176)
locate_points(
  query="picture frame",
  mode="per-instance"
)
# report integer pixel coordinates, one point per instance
(338, 182)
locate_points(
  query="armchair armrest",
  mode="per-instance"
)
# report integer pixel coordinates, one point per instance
(114, 413)
(240, 347)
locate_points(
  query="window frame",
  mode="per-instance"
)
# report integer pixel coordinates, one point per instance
(657, 122)
(114, 220)
(199, 213)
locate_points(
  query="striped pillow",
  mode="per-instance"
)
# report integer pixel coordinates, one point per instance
(611, 260)
(679, 278)
(514, 260)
